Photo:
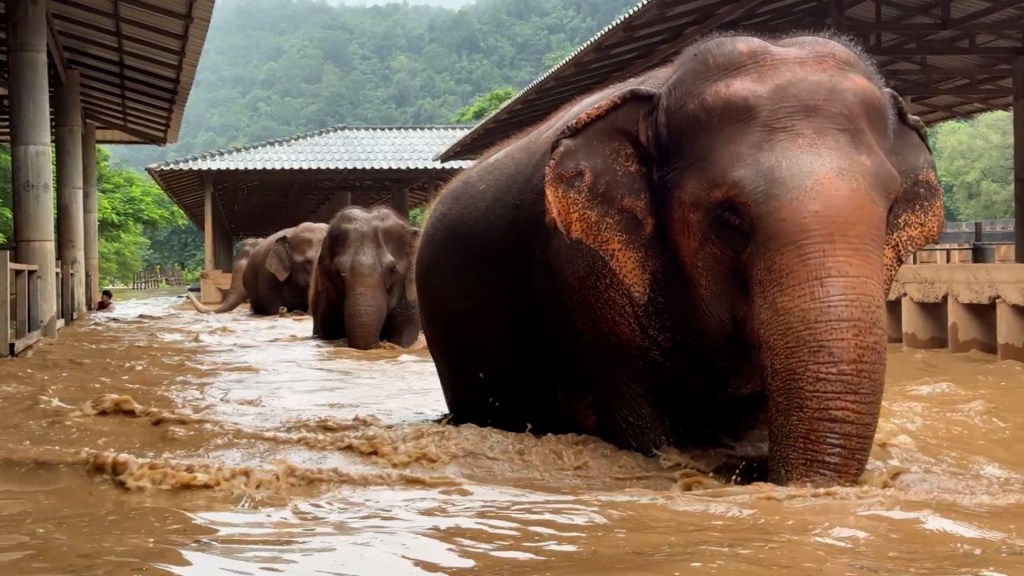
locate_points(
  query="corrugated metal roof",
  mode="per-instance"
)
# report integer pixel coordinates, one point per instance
(336, 148)
(263, 187)
(908, 41)
(137, 60)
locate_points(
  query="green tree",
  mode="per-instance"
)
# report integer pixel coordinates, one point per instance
(416, 215)
(975, 164)
(131, 209)
(484, 105)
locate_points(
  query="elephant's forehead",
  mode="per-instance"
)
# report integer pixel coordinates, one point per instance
(723, 58)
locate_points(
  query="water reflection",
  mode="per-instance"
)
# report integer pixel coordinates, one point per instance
(154, 438)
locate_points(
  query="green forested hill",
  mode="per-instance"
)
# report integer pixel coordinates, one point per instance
(273, 68)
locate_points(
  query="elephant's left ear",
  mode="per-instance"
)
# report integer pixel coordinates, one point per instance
(597, 184)
(279, 261)
(916, 217)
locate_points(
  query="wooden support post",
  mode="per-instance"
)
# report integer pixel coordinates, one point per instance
(5, 303)
(340, 199)
(1018, 157)
(70, 212)
(91, 220)
(400, 201)
(836, 15)
(32, 181)
(206, 291)
(223, 247)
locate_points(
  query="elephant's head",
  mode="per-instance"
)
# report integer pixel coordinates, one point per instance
(294, 252)
(367, 262)
(763, 194)
(246, 246)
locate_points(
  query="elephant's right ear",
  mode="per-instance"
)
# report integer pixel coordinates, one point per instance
(916, 217)
(597, 184)
(279, 262)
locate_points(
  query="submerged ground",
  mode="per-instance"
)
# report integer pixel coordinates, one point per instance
(156, 440)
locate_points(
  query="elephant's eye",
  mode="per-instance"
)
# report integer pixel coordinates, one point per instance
(731, 226)
(730, 217)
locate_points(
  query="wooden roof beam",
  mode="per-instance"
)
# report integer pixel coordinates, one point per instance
(56, 50)
(715, 18)
(867, 27)
(950, 51)
(958, 91)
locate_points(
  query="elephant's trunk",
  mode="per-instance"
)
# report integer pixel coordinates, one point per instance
(234, 298)
(365, 311)
(819, 313)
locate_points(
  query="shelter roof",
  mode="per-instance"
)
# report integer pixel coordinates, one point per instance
(335, 148)
(137, 60)
(949, 58)
(263, 187)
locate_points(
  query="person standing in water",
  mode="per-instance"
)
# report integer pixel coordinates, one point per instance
(106, 303)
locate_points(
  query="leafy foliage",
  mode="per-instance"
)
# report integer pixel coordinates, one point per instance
(975, 163)
(484, 106)
(131, 208)
(273, 68)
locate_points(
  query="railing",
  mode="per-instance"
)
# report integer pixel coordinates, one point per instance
(987, 225)
(976, 253)
(20, 285)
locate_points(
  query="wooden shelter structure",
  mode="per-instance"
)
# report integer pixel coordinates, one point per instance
(947, 58)
(258, 189)
(111, 71)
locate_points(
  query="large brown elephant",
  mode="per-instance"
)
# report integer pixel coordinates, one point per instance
(688, 258)
(236, 292)
(278, 270)
(363, 287)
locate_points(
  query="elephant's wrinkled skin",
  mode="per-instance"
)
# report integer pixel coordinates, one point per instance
(687, 258)
(236, 292)
(362, 286)
(279, 269)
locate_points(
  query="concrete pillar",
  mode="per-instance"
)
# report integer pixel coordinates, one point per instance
(32, 181)
(400, 201)
(894, 320)
(70, 212)
(971, 327)
(91, 220)
(924, 324)
(1018, 157)
(1010, 331)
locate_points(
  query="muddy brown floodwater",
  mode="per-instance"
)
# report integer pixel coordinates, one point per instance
(155, 440)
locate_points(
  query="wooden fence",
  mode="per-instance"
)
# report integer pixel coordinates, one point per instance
(157, 278)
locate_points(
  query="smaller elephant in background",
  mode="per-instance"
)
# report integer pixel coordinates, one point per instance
(236, 292)
(363, 287)
(279, 269)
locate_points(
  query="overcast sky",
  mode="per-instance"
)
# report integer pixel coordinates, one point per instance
(445, 3)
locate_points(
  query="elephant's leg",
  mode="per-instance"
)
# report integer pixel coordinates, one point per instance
(485, 354)
(328, 317)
